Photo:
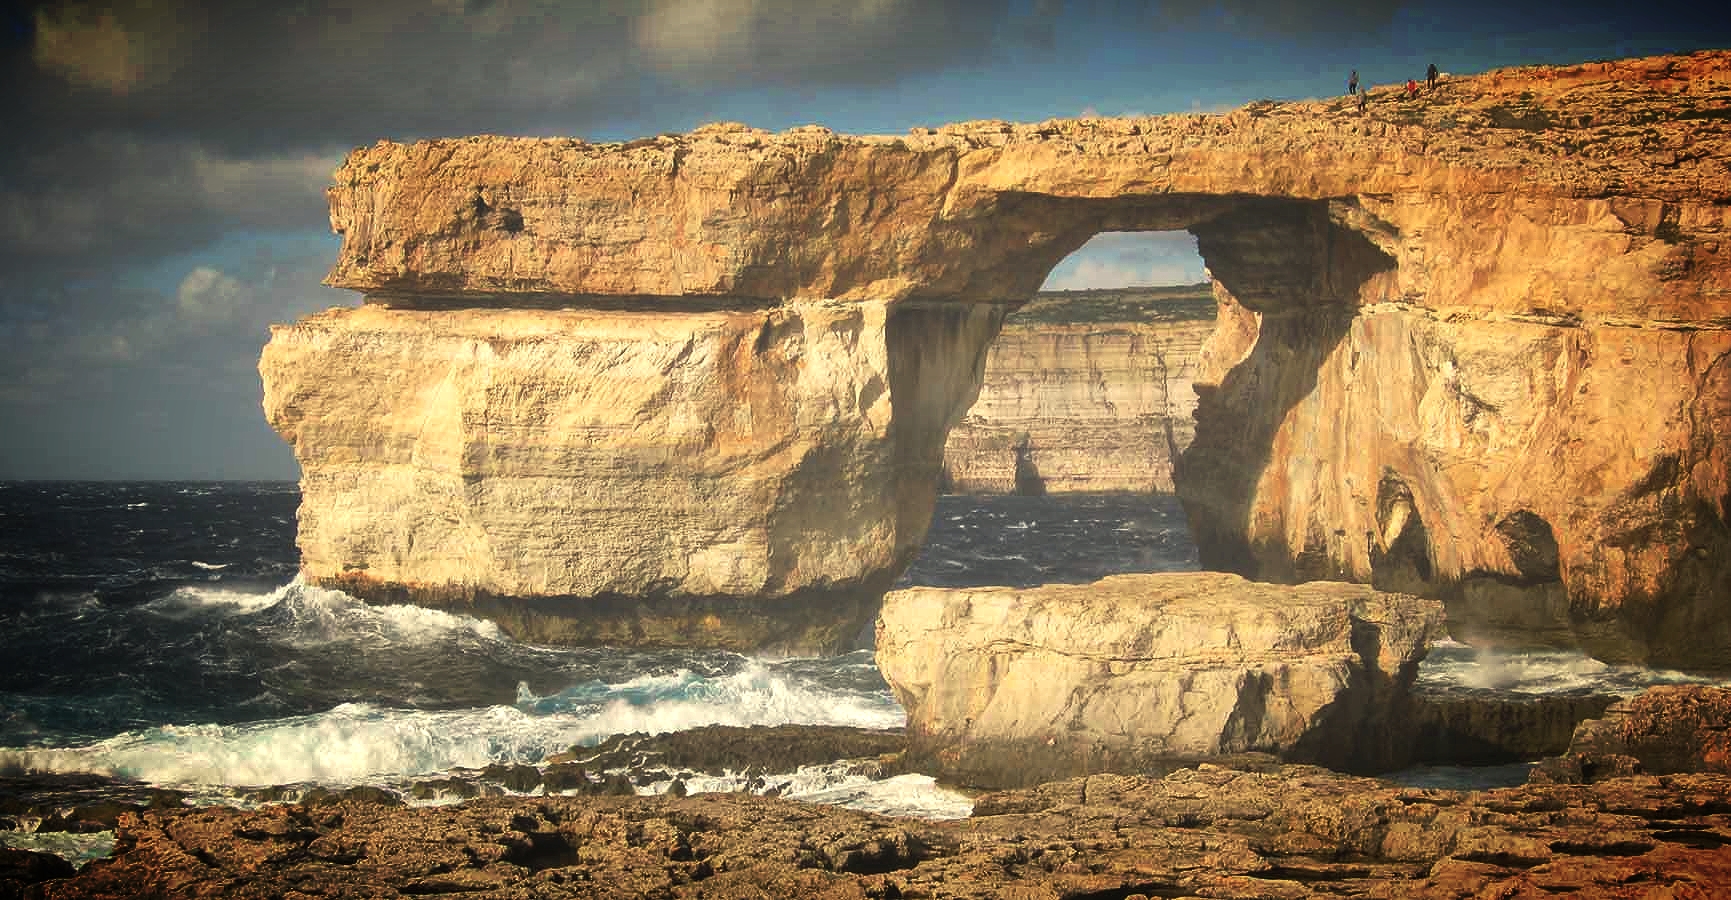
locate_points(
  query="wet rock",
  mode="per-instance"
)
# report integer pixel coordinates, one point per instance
(558, 778)
(368, 794)
(521, 779)
(749, 750)
(75, 803)
(20, 869)
(445, 787)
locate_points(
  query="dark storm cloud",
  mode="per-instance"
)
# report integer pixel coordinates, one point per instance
(245, 77)
(138, 134)
(142, 132)
(156, 124)
(114, 197)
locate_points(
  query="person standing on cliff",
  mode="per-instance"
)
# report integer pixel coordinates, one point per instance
(1363, 98)
(1411, 89)
(1352, 83)
(1430, 77)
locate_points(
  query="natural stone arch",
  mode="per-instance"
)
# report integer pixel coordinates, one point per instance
(1424, 295)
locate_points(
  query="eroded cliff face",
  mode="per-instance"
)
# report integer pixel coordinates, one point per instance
(1476, 345)
(748, 479)
(1079, 407)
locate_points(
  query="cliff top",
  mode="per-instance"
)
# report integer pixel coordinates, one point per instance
(983, 210)
(1591, 114)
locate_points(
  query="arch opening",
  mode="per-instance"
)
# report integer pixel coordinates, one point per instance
(1277, 284)
(1061, 470)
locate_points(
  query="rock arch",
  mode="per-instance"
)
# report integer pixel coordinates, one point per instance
(701, 381)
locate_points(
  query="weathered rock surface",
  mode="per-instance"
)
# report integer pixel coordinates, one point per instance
(1667, 729)
(1287, 832)
(747, 479)
(1434, 317)
(1007, 686)
(1096, 405)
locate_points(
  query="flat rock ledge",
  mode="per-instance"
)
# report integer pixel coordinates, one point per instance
(1007, 687)
(1281, 832)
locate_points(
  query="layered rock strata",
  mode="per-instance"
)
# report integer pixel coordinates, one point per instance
(1292, 832)
(1072, 406)
(1435, 316)
(1016, 686)
(746, 479)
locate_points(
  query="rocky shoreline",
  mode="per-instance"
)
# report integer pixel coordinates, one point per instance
(1638, 806)
(1286, 832)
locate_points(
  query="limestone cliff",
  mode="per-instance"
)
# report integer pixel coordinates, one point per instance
(1084, 391)
(743, 479)
(1476, 345)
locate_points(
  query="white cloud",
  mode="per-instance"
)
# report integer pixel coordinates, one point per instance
(1129, 259)
(207, 296)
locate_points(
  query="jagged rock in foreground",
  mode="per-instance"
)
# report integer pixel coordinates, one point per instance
(1436, 319)
(1283, 832)
(1669, 728)
(1084, 391)
(1013, 686)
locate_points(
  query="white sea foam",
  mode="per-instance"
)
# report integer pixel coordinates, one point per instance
(915, 796)
(322, 615)
(360, 743)
(184, 601)
(760, 693)
(209, 567)
(351, 744)
(1455, 665)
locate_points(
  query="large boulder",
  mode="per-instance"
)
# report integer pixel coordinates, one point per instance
(1668, 729)
(1015, 686)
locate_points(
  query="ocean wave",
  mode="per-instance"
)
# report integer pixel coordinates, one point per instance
(351, 744)
(1455, 666)
(317, 616)
(840, 784)
(185, 601)
(760, 693)
(361, 743)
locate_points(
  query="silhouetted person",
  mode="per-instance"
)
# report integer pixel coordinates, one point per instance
(1352, 83)
(1430, 77)
(1363, 98)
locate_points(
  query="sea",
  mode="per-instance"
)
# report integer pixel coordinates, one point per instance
(158, 632)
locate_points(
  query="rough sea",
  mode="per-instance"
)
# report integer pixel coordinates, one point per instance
(158, 632)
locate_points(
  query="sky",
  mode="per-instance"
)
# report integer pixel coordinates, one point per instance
(163, 162)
